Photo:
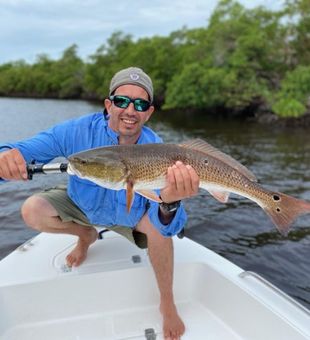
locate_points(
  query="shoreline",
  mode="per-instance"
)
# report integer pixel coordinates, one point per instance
(265, 117)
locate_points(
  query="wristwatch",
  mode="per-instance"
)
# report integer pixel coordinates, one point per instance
(170, 207)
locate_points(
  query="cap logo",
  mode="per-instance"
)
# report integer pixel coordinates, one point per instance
(134, 76)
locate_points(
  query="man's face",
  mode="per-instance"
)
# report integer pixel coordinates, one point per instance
(128, 122)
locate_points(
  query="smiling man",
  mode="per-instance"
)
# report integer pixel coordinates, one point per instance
(82, 205)
(131, 92)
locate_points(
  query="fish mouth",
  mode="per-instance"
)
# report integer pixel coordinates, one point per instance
(72, 171)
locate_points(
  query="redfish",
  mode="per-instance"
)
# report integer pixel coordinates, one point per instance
(143, 168)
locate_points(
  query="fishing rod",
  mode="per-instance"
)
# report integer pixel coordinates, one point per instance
(52, 168)
(57, 168)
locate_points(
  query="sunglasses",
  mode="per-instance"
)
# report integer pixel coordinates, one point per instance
(123, 102)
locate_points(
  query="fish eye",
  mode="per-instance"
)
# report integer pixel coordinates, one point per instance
(276, 198)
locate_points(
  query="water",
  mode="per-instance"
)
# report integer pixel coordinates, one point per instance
(238, 230)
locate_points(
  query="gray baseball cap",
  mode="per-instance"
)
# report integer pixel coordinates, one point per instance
(134, 76)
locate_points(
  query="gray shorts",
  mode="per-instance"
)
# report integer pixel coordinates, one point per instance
(69, 212)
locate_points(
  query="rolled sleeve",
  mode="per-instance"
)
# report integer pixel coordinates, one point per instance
(171, 229)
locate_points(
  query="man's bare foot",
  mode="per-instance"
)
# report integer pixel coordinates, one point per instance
(79, 253)
(173, 326)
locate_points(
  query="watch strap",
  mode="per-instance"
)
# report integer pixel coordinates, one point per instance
(170, 207)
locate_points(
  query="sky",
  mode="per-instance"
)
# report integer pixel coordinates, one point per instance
(29, 28)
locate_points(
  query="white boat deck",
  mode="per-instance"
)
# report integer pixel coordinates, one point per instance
(113, 295)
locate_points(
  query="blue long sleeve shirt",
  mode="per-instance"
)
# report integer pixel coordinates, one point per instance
(101, 206)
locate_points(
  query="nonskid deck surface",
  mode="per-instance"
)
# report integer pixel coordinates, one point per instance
(112, 305)
(113, 295)
(129, 324)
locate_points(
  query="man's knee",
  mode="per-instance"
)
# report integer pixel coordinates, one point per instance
(145, 226)
(33, 209)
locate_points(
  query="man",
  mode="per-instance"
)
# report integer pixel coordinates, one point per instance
(77, 209)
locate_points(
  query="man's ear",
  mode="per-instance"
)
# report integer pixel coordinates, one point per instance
(107, 104)
(149, 112)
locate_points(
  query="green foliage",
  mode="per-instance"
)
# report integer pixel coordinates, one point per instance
(45, 78)
(235, 61)
(294, 94)
(297, 16)
(288, 108)
(201, 87)
(296, 84)
(69, 72)
(242, 59)
(107, 60)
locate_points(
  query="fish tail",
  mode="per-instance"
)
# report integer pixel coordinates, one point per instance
(285, 209)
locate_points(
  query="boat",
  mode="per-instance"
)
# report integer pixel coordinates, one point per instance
(113, 295)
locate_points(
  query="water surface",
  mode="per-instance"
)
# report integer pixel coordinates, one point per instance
(238, 230)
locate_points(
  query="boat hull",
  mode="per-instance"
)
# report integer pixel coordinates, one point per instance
(113, 295)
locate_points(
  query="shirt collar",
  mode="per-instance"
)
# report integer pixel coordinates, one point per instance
(111, 133)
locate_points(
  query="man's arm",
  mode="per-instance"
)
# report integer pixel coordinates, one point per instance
(41, 148)
(164, 216)
(182, 182)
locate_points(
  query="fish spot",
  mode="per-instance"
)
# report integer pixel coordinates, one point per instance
(234, 174)
(278, 210)
(276, 197)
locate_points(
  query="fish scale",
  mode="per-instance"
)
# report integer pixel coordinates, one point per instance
(143, 168)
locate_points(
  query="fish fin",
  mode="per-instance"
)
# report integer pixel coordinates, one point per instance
(221, 196)
(285, 210)
(129, 195)
(149, 194)
(202, 146)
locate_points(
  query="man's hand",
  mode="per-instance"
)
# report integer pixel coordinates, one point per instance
(182, 182)
(12, 165)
